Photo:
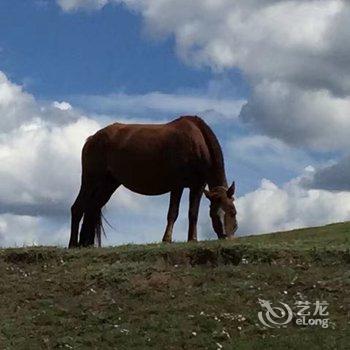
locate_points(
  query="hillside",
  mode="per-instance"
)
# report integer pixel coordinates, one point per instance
(179, 296)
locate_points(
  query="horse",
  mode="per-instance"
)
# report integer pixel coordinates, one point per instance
(154, 159)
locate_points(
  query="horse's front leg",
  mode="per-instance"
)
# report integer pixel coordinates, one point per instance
(195, 199)
(173, 212)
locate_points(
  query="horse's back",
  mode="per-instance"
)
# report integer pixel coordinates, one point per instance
(185, 126)
(153, 158)
(181, 135)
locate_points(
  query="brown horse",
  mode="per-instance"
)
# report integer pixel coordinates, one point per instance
(153, 160)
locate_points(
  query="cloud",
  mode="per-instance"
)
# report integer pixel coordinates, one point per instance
(334, 177)
(272, 208)
(16, 106)
(73, 5)
(24, 230)
(63, 106)
(249, 158)
(40, 146)
(214, 108)
(262, 151)
(276, 40)
(312, 118)
(40, 166)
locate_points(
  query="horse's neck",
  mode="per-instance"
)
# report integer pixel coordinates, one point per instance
(217, 178)
(216, 175)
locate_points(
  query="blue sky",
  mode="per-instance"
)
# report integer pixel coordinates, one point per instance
(276, 97)
(57, 54)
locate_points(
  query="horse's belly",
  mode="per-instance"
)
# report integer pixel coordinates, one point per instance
(146, 190)
(148, 184)
(148, 178)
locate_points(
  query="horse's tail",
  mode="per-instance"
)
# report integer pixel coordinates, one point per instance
(99, 229)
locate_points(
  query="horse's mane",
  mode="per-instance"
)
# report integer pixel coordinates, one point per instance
(213, 145)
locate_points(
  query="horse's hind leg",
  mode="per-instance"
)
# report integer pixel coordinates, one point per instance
(92, 213)
(175, 197)
(77, 212)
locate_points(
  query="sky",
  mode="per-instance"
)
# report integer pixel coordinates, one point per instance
(271, 77)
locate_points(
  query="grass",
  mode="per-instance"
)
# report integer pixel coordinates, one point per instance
(179, 296)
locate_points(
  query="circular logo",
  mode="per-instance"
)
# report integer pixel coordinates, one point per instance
(274, 316)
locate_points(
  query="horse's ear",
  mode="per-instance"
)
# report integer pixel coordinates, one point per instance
(207, 194)
(231, 190)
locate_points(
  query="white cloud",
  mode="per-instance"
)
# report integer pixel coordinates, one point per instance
(169, 105)
(40, 166)
(18, 230)
(273, 208)
(73, 5)
(228, 33)
(249, 158)
(24, 230)
(63, 106)
(16, 106)
(40, 148)
(334, 177)
(261, 151)
(314, 118)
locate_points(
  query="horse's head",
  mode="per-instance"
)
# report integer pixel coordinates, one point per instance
(222, 210)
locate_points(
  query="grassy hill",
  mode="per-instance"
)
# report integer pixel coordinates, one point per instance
(179, 296)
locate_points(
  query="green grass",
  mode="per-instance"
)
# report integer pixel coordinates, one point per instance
(179, 296)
